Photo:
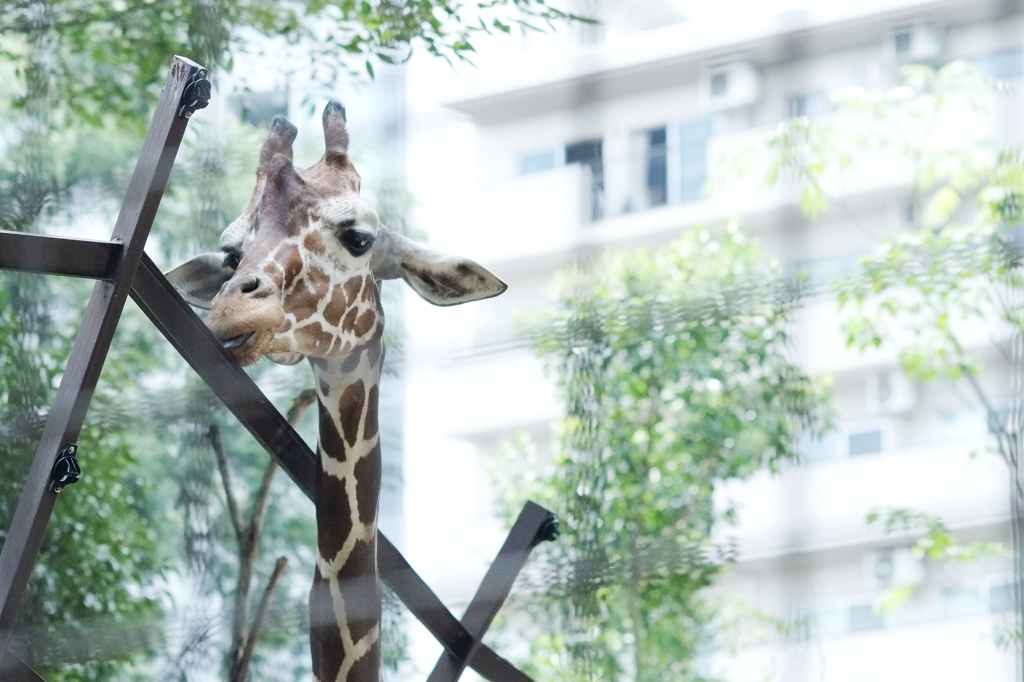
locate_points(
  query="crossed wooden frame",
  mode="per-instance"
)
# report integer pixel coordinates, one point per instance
(122, 269)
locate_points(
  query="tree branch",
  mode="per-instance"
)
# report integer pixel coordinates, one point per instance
(257, 624)
(243, 644)
(217, 443)
(259, 509)
(302, 402)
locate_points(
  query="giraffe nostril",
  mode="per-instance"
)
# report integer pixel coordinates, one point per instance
(250, 285)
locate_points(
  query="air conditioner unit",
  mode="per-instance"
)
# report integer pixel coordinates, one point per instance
(889, 392)
(892, 567)
(728, 84)
(920, 41)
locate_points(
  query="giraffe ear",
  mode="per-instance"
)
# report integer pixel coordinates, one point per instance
(441, 280)
(199, 279)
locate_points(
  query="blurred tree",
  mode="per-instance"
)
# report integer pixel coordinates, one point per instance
(676, 372)
(957, 268)
(77, 83)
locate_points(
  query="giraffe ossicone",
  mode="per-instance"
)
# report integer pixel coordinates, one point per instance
(297, 277)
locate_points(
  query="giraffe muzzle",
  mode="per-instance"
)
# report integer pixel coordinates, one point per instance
(245, 315)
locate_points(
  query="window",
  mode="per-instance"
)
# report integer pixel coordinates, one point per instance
(806, 104)
(1000, 598)
(719, 84)
(693, 157)
(539, 161)
(657, 168)
(1004, 64)
(864, 618)
(903, 40)
(865, 442)
(961, 601)
(588, 152)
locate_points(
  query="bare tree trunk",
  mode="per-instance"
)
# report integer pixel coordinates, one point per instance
(242, 672)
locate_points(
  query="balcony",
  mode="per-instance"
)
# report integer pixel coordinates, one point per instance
(641, 197)
(814, 508)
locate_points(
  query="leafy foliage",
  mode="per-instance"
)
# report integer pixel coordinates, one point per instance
(107, 58)
(936, 541)
(955, 271)
(93, 583)
(962, 259)
(675, 369)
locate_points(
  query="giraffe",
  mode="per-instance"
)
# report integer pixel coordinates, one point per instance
(298, 276)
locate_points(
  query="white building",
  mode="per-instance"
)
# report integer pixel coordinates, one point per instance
(555, 148)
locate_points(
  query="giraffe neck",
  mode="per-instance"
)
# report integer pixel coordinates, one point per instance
(345, 601)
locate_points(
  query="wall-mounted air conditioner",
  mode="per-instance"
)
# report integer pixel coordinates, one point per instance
(889, 391)
(728, 84)
(892, 567)
(918, 41)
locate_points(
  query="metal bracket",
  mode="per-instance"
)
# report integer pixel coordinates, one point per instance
(66, 469)
(196, 94)
(548, 532)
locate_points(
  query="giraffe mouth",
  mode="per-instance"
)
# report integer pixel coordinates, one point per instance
(246, 348)
(236, 342)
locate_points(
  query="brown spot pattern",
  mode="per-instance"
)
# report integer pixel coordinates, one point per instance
(324, 634)
(367, 474)
(335, 307)
(352, 288)
(374, 352)
(365, 323)
(333, 515)
(351, 363)
(330, 439)
(300, 303)
(370, 291)
(291, 263)
(350, 319)
(358, 587)
(316, 336)
(366, 667)
(350, 408)
(313, 242)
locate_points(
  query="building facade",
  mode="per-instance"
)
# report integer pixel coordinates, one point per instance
(558, 148)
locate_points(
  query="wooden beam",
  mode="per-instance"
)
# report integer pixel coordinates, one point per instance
(59, 255)
(13, 669)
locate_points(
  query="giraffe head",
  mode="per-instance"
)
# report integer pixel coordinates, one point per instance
(298, 272)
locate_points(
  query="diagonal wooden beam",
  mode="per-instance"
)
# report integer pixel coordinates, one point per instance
(194, 342)
(534, 525)
(93, 340)
(229, 382)
(439, 621)
(13, 669)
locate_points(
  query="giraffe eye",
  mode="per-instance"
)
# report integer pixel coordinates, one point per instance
(357, 242)
(232, 260)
